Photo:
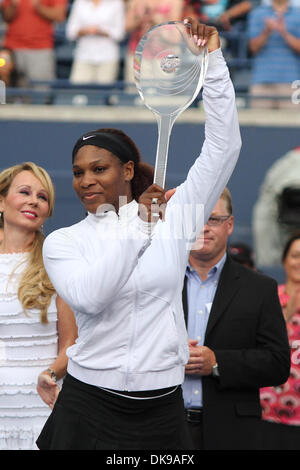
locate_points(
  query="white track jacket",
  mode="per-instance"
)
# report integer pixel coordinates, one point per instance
(124, 285)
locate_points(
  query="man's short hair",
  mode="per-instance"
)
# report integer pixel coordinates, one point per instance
(226, 196)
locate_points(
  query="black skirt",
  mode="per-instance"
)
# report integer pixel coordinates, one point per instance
(86, 417)
(279, 436)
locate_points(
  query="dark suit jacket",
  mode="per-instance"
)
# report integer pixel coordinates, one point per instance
(247, 332)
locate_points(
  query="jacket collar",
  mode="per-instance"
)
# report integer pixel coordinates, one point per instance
(126, 213)
(227, 288)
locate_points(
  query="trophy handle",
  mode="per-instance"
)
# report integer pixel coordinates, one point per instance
(165, 123)
(169, 73)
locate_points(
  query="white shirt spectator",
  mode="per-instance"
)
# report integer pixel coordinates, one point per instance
(109, 17)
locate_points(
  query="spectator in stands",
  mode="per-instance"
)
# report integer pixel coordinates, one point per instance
(221, 13)
(191, 8)
(293, 3)
(228, 16)
(97, 26)
(8, 73)
(236, 13)
(7, 67)
(141, 15)
(36, 326)
(30, 35)
(281, 405)
(274, 41)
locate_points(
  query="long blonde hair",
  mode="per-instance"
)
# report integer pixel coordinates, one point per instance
(35, 289)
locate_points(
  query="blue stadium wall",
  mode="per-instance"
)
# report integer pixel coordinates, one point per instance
(50, 143)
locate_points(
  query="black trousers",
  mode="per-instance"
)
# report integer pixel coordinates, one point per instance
(278, 436)
(86, 417)
(275, 436)
(195, 427)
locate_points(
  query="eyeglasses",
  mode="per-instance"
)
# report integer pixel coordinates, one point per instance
(217, 220)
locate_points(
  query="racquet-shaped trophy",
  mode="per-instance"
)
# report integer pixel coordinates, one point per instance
(169, 71)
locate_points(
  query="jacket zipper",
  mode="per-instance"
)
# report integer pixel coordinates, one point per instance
(132, 336)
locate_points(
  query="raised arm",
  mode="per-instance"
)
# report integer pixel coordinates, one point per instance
(10, 10)
(256, 43)
(213, 168)
(259, 30)
(56, 13)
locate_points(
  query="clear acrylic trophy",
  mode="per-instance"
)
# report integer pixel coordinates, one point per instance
(169, 71)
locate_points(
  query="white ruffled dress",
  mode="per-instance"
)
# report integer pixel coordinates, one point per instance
(27, 347)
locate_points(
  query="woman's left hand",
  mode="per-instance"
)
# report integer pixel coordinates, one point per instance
(47, 389)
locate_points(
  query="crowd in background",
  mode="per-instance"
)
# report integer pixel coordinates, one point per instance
(103, 36)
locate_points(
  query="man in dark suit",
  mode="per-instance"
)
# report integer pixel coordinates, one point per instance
(238, 340)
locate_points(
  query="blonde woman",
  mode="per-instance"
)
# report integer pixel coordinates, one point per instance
(36, 326)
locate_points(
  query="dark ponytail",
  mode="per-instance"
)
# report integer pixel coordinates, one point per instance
(143, 178)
